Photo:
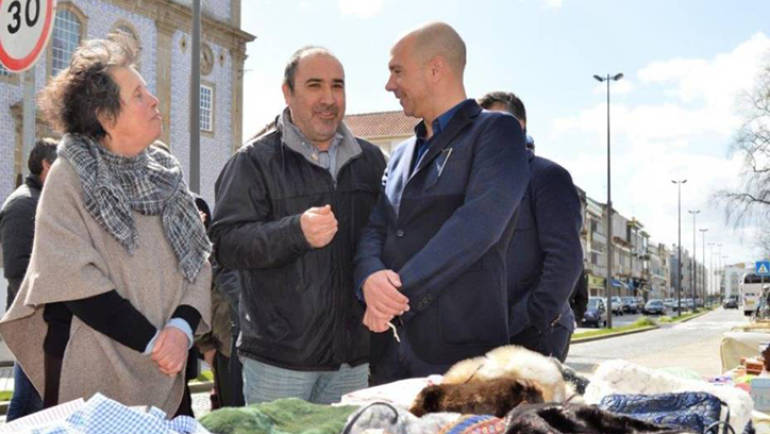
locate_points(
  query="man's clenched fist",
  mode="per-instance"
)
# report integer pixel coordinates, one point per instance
(318, 225)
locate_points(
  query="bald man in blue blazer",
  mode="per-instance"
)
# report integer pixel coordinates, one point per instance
(432, 260)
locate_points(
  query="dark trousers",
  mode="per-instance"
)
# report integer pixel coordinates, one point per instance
(399, 362)
(228, 380)
(25, 398)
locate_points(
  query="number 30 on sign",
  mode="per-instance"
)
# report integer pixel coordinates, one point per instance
(25, 26)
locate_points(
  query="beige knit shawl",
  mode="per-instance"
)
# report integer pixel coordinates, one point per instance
(73, 257)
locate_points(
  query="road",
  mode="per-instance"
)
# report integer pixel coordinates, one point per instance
(693, 344)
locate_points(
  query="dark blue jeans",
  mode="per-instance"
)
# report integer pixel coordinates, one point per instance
(25, 398)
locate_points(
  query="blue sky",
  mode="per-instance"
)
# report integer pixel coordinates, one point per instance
(686, 64)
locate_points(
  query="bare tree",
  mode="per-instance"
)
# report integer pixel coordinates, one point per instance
(751, 201)
(763, 244)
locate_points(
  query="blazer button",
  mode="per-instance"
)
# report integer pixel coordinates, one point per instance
(400, 233)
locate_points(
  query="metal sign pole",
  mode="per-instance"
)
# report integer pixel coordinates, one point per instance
(195, 93)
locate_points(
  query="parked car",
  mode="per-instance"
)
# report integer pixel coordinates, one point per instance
(731, 302)
(629, 304)
(654, 307)
(595, 314)
(640, 303)
(617, 305)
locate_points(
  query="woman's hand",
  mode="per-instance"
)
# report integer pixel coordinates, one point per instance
(170, 350)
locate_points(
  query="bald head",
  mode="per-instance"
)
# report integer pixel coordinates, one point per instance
(426, 71)
(439, 39)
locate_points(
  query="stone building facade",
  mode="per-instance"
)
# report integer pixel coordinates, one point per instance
(162, 29)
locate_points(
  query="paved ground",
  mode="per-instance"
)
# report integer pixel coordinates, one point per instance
(693, 344)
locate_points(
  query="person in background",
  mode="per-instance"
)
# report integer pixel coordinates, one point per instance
(545, 256)
(578, 301)
(119, 278)
(290, 206)
(216, 346)
(17, 230)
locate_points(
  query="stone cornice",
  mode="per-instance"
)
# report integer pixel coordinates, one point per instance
(169, 15)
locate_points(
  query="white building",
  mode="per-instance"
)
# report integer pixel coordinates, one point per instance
(732, 278)
(162, 29)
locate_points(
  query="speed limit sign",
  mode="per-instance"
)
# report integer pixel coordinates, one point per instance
(25, 26)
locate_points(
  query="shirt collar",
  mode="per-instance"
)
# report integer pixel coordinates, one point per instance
(440, 123)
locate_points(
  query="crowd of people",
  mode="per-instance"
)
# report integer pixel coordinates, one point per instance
(323, 268)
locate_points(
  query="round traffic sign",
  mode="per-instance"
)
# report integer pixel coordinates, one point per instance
(25, 26)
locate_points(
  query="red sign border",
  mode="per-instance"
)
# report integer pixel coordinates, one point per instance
(19, 65)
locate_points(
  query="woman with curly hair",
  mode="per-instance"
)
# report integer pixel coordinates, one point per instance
(119, 278)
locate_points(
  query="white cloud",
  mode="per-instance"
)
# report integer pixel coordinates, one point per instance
(360, 8)
(684, 135)
(553, 3)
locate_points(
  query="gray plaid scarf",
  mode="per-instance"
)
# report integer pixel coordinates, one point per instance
(151, 184)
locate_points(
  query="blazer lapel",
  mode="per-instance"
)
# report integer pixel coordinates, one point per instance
(406, 164)
(462, 118)
(397, 179)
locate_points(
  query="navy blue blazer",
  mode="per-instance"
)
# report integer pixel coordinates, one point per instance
(445, 230)
(545, 256)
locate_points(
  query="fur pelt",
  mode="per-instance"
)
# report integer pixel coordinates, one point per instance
(619, 376)
(515, 362)
(495, 396)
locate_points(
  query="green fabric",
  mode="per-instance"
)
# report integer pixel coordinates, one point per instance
(283, 416)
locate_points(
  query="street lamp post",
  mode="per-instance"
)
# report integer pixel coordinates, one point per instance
(608, 282)
(679, 245)
(703, 257)
(722, 275)
(711, 267)
(694, 213)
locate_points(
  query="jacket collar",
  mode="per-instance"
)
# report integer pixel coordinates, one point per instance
(33, 181)
(466, 112)
(291, 136)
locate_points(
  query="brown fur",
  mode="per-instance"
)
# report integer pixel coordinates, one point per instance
(497, 396)
(512, 361)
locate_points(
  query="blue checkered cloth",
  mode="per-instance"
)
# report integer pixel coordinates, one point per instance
(102, 415)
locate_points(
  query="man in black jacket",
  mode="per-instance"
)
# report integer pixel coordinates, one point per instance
(289, 209)
(17, 230)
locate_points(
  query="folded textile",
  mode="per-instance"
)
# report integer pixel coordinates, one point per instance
(385, 417)
(399, 393)
(692, 410)
(283, 416)
(621, 377)
(102, 415)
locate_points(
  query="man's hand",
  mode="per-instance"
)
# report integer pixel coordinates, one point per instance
(373, 323)
(383, 298)
(170, 350)
(318, 225)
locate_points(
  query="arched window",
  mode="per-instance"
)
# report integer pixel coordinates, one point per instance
(67, 32)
